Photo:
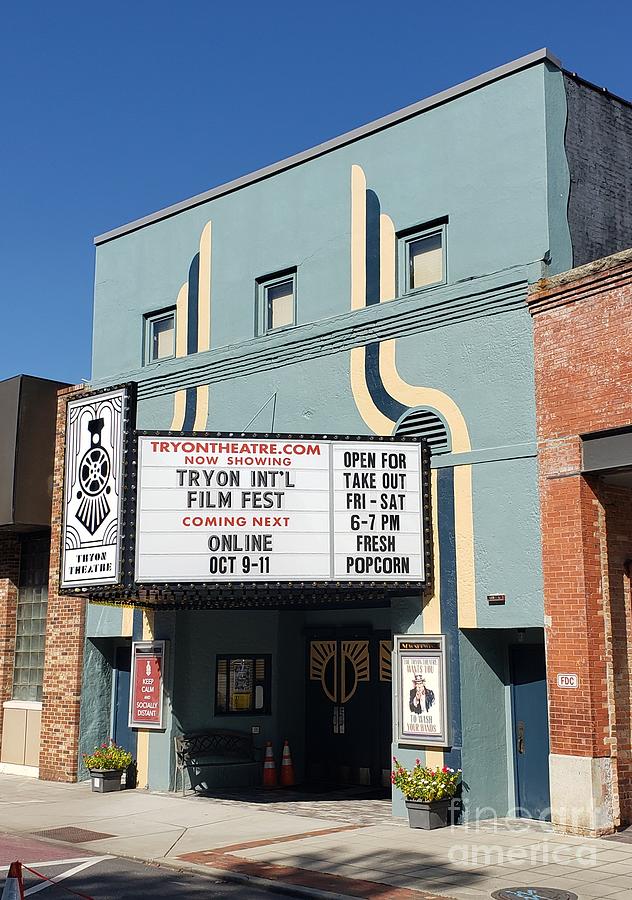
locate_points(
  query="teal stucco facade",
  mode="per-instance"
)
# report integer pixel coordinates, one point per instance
(489, 165)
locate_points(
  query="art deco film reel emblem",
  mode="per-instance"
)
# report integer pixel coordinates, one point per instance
(94, 474)
(339, 666)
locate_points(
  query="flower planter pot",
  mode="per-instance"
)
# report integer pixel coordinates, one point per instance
(105, 780)
(428, 815)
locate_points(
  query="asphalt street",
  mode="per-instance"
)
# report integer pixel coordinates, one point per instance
(108, 878)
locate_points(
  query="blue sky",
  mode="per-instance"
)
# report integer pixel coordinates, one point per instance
(111, 111)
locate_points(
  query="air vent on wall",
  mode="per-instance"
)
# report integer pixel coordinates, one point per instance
(427, 424)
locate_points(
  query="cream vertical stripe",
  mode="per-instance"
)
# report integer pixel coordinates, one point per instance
(204, 323)
(127, 623)
(388, 259)
(358, 238)
(180, 398)
(142, 747)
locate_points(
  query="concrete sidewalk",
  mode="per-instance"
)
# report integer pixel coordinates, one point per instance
(317, 848)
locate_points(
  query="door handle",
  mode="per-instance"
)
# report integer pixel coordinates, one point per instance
(520, 742)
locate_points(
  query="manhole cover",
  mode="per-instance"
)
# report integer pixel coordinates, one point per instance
(72, 835)
(533, 893)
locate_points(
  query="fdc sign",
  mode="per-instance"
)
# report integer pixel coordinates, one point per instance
(249, 509)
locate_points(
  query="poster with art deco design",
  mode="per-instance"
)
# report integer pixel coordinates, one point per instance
(93, 490)
(421, 690)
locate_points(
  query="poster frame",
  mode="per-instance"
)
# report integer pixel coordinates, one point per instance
(420, 645)
(148, 644)
(315, 586)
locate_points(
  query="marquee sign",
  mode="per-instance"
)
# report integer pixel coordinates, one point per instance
(145, 701)
(421, 694)
(93, 490)
(245, 508)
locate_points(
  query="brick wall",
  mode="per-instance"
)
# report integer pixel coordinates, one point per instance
(598, 143)
(617, 534)
(9, 576)
(63, 664)
(583, 368)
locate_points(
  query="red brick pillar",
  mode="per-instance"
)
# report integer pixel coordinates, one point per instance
(616, 569)
(576, 642)
(9, 575)
(65, 628)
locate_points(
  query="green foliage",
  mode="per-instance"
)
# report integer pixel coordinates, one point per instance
(107, 756)
(425, 783)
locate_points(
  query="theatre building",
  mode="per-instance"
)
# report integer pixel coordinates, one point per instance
(307, 459)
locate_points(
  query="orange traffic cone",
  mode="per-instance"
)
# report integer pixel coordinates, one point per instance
(269, 768)
(287, 769)
(14, 886)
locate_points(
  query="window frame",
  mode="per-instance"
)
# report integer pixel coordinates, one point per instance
(149, 320)
(409, 236)
(227, 658)
(263, 284)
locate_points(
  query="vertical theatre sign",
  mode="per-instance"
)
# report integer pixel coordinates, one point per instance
(145, 702)
(421, 690)
(93, 490)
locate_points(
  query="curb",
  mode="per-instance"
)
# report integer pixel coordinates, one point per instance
(177, 865)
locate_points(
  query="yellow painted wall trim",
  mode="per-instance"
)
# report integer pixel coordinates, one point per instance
(432, 605)
(358, 238)
(127, 623)
(142, 746)
(201, 408)
(204, 291)
(414, 395)
(182, 319)
(388, 259)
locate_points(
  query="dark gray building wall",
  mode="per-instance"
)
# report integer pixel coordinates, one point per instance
(599, 152)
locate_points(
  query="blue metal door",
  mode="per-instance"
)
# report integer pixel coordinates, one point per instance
(122, 733)
(530, 730)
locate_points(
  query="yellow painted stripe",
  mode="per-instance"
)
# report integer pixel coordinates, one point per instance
(388, 255)
(358, 238)
(434, 758)
(413, 395)
(204, 291)
(464, 540)
(127, 624)
(432, 604)
(201, 408)
(204, 324)
(142, 746)
(182, 319)
(374, 419)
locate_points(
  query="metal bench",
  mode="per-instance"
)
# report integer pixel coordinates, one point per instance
(216, 758)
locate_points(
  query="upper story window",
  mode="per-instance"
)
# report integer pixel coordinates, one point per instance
(276, 302)
(160, 335)
(422, 258)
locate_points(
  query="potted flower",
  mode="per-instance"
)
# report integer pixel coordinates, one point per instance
(428, 792)
(106, 765)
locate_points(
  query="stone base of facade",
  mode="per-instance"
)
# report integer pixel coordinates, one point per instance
(15, 769)
(582, 799)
